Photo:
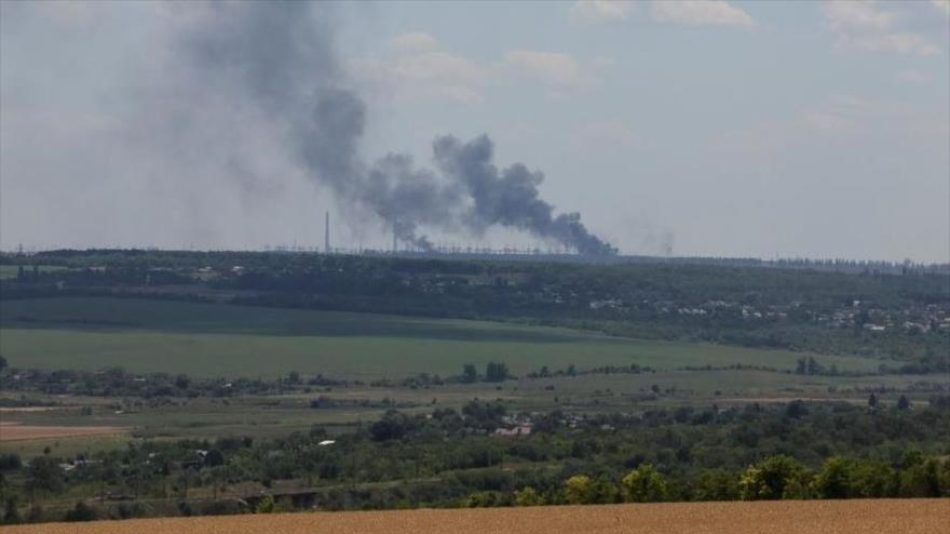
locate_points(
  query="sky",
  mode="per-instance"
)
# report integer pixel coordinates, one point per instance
(697, 128)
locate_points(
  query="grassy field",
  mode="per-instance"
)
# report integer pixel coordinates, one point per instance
(10, 271)
(909, 516)
(220, 340)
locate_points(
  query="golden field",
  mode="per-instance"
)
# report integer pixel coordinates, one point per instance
(18, 432)
(919, 516)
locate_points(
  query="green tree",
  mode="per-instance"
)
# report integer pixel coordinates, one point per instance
(801, 366)
(528, 496)
(943, 477)
(182, 381)
(44, 475)
(902, 403)
(874, 479)
(776, 477)
(921, 479)
(496, 372)
(578, 489)
(644, 484)
(716, 485)
(11, 511)
(82, 512)
(486, 499)
(469, 373)
(265, 506)
(835, 480)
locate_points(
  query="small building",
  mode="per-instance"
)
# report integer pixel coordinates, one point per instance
(520, 430)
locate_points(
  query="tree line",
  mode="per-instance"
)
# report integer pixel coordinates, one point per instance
(450, 457)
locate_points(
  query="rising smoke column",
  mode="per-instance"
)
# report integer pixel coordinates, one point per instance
(509, 197)
(278, 56)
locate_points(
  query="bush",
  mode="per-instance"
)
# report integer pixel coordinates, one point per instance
(921, 480)
(11, 512)
(10, 462)
(486, 499)
(578, 490)
(265, 506)
(81, 512)
(222, 508)
(528, 496)
(644, 484)
(716, 485)
(835, 480)
(774, 478)
(874, 479)
(129, 511)
(44, 475)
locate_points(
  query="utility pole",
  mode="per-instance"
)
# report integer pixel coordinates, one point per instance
(326, 234)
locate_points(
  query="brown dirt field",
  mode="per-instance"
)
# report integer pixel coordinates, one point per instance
(920, 516)
(18, 432)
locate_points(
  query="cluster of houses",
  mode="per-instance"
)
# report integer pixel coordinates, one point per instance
(921, 319)
(514, 426)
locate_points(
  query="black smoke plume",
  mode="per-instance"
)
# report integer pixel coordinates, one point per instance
(278, 56)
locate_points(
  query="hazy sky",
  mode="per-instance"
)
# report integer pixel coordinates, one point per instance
(818, 129)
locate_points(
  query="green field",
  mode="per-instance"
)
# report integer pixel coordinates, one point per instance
(221, 340)
(8, 272)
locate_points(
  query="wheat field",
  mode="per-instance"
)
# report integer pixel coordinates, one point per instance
(18, 432)
(921, 516)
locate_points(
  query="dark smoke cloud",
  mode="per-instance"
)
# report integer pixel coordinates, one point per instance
(279, 57)
(510, 197)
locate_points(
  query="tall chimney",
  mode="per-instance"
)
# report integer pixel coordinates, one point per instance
(326, 234)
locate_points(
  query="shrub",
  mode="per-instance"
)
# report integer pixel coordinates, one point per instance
(836, 479)
(528, 496)
(81, 512)
(486, 499)
(265, 506)
(775, 477)
(644, 484)
(578, 489)
(716, 485)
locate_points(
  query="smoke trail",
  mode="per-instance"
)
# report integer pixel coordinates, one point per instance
(278, 56)
(510, 197)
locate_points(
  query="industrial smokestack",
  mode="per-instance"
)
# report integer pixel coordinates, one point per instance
(326, 234)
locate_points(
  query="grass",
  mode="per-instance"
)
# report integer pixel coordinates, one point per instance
(8, 272)
(219, 340)
(65, 448)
